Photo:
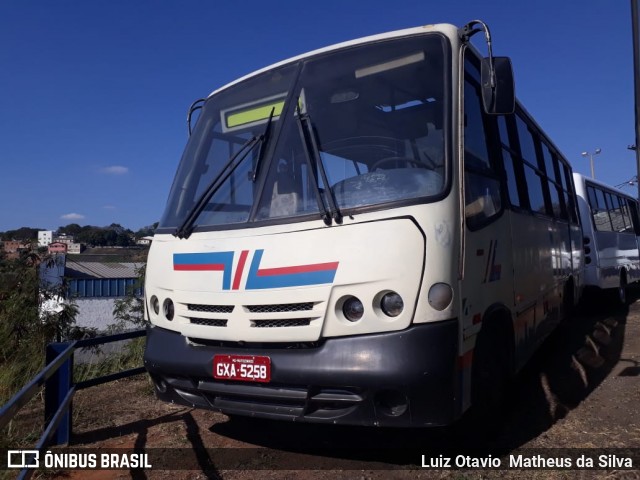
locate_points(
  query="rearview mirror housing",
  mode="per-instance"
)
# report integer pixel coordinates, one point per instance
(498, 96)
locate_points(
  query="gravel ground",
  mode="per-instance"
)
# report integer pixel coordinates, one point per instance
(580, 393)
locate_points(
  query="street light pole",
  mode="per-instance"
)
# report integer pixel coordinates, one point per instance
(591, 155)
(636, 77)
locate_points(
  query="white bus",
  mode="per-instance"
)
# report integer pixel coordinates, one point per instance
(363, 235)
(610, 228)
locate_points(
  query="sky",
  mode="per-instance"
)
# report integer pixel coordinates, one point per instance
(94, 93)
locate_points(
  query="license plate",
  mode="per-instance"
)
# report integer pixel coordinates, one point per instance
(245, 368)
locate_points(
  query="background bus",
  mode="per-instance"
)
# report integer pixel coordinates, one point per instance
(363, 234)
(611, 227)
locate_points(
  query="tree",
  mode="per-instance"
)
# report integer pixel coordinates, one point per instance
(72, 229)
(26, 234)
(129, 310)
(147, 231)
(26, 326)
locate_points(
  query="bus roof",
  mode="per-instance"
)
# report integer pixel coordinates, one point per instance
(449, 30)
(583, 180)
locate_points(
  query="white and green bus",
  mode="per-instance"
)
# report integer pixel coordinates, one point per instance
(373, 233)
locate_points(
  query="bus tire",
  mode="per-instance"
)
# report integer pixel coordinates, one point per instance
(621, 293)
(489, 382)
(568, 302)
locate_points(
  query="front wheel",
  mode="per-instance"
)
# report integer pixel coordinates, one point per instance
(490, 383)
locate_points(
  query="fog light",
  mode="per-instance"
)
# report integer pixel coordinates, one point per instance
(392, 304)
(168, 309)
(155, 304)
(353, 309)
(440, 295)
(391, 402)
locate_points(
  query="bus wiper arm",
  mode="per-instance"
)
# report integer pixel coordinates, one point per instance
(185, 229)
(313, 141)
(326, 215)
(263, 146)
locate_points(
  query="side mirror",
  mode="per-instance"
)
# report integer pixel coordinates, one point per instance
(498, 88)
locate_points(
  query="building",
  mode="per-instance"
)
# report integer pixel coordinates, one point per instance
(64, 238)
(75, 248)
(45, 238)
(12, 248)
(100, 279)
(144, 241)
(58, 248)
(93, 286)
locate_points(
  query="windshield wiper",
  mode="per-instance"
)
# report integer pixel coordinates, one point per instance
(310, 142)
(326, 215)
(185, 229)
(264, 139)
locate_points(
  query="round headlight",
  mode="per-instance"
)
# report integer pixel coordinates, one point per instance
(168, 309)
(440, 295)
(155, 304)
(392, 304)
(353, 309)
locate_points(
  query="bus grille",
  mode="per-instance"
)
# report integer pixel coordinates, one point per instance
(210, 322)
(210, 308)
(292, 322)
(280, 308)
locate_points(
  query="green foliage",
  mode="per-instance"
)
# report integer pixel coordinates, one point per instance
(26, 234)
(129, 310)
(147, 231)
(27, 321)
(129, 313)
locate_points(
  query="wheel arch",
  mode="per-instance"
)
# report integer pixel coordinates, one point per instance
(497, 326)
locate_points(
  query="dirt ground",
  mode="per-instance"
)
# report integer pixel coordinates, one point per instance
(580, 393)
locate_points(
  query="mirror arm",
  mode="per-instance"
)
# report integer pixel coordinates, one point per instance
(477, 26)
(197, 105)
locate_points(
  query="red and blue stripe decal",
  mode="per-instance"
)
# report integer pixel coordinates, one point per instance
(199, 262)
(291, 276)
(257, 278)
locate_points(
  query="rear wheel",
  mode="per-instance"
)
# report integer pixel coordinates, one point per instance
(622, 289)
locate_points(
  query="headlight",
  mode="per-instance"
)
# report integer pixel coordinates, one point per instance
(155, 304)
(392, 304)
(353, 309)
(440, 295)
(168, 309)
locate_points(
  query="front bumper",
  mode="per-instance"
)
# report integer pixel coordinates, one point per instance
(405, 378)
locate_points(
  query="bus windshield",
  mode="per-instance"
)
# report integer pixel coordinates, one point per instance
(375, 135)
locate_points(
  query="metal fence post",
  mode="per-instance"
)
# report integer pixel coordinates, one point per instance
(55, 390)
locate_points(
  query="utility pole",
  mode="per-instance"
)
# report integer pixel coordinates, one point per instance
(636, 81)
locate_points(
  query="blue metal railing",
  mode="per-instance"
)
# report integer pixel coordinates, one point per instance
(57, 379)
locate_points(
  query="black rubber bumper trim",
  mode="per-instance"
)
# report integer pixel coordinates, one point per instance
(348, 380)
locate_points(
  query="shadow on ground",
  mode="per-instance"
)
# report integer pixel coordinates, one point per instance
(563, 372)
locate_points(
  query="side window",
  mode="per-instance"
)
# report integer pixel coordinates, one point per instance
(569, 194)
(615, 213)
(482, 185)
(475, 142)
(635, 216)
(512, 167)
(533, 175)
(624, 208)
(555, 186)
(599, 210)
